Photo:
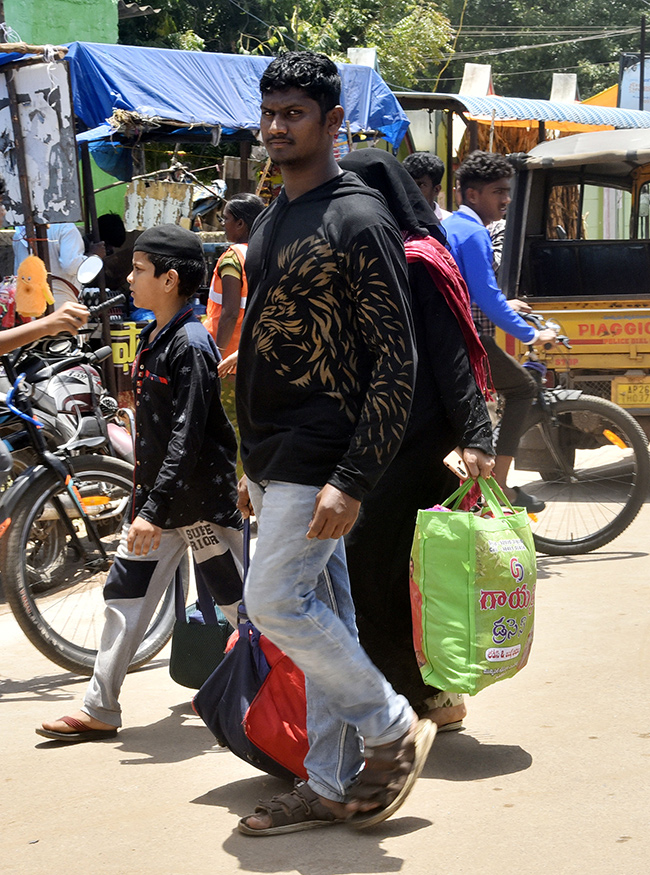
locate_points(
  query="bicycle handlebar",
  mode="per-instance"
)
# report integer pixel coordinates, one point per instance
(538, 322)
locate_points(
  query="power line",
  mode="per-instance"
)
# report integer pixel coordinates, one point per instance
(458, 56)
(526, 72)
(266, 23)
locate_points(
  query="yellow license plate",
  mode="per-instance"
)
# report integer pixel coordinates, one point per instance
(632, 394)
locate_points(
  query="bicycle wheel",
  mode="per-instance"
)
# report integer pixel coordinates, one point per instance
(591, 467)
(56, 597)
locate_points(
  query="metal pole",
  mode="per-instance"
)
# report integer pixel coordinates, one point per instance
(642, 66)
(91, 213)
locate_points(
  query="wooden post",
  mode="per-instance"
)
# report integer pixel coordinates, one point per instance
(244, 155)
(32, 230)
(473, 135)
(90, 207)
(450, 162)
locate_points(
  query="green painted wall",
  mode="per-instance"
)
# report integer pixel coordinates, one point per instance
(53, 22)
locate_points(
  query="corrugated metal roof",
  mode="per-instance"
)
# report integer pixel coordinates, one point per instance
(506, 109)
(133, 10)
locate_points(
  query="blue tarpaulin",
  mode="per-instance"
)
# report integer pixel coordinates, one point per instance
(205, 89)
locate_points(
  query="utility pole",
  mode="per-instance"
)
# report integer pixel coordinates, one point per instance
(642, 66)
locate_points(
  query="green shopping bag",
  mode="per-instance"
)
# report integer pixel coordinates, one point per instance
(472, 592)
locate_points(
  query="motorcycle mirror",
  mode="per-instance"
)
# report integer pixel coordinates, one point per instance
(89, 269)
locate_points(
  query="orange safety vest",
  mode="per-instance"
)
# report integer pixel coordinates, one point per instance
(213, 311)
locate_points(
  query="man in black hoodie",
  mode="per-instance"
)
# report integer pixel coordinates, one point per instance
(324, 385)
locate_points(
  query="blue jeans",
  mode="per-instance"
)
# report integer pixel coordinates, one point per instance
(298, 593)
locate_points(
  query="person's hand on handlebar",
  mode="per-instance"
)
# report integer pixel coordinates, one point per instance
(545, 336)
(519, 306)
(70, 317)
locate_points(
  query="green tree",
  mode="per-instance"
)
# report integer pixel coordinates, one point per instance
(489, 25)
(409, 35)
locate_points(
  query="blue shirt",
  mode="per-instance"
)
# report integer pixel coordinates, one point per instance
(471, 247)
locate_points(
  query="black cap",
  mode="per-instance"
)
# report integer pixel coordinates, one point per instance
(171, 241)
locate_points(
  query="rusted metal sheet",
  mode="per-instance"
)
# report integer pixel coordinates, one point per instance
(156, 202)
(48, 144)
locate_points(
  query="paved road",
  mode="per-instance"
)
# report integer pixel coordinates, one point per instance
(552, 774)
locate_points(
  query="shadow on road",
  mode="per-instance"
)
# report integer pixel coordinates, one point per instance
(549, 566)
(178, 737)
(49, 688)
(169, 740)
(460, 757)
(336, 851)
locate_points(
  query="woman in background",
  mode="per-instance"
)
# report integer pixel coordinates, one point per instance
(228, 289)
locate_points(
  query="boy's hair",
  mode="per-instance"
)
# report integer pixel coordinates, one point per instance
(480, 168)
(245, 206)
(191, 271)
(425, 164)
(311, 72)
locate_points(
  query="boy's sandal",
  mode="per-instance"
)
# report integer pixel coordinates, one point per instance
(291, 812)
(390, 773)
(79, 732)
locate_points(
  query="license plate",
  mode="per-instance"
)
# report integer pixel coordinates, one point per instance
(632, 394)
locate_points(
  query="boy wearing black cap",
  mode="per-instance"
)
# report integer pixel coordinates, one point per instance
(185, 482)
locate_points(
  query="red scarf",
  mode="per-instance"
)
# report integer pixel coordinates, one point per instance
(448, 279)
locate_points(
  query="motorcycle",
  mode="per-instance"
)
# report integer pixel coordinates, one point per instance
(65, 389)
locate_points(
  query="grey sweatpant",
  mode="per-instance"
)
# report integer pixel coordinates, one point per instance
(135, 585)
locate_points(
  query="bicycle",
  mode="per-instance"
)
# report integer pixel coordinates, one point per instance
(60, 525)
(590, 462)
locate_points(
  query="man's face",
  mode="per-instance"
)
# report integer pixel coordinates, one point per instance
(490, 201)
(146, 288)
(292, 128)
(428, 189)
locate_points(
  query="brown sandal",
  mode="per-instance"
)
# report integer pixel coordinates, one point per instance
(291, 812)
(390, 773)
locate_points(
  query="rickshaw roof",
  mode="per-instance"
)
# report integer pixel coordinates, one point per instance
(613, 153)
(526, 112)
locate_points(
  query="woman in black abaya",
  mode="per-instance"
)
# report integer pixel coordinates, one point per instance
(448, 411)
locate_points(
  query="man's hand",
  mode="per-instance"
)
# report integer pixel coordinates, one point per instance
(69, 317)
(228, 365)
(478, 463)
(547, 335)
(143, 536)
(244, 505)
(335, 513)
(519, 306)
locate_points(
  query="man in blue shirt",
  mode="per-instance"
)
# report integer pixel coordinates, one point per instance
(484, 183)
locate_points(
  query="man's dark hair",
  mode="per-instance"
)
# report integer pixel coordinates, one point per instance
(313, 73)
(191, 271)
(480, 168)
(245, 206)
(425, 164)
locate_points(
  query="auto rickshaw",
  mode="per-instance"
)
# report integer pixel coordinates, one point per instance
(577, 247)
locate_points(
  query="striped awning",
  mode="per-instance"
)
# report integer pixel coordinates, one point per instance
(521, 109)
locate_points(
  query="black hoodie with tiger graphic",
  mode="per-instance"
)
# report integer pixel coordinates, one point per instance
(326, 357)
